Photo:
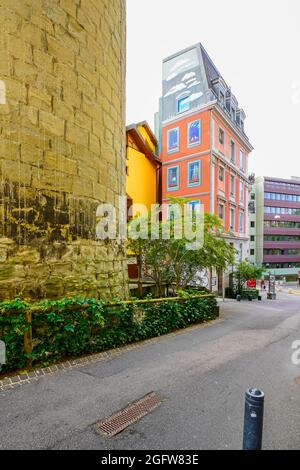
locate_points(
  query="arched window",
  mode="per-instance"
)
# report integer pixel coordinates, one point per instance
(2, 92)
(183, 103)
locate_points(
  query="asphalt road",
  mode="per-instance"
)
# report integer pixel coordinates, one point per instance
(202, 374)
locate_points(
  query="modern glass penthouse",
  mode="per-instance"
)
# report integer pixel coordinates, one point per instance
(275, 225)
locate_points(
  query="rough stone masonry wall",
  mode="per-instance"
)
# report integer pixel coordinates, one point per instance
(62, 146)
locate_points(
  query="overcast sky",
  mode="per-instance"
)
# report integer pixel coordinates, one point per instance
(256, 47)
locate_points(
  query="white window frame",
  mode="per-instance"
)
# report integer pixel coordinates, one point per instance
(177, 187)
(242, 228)
(191, 145)
(193, 185)
(222, 98)
(181, 98)
(242, 166)
(223, 170)
(178, 146)
(232, 211)
(221, 204)
(234, 159)
(242, 191)
(197, 201)
(221, 129)
(232, 190)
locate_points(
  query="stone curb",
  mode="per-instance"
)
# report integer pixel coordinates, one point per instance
(10, 383)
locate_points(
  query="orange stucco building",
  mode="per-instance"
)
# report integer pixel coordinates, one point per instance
(204, 147)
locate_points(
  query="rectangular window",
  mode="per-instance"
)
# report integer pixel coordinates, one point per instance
(171, 213)
(195, 205)
(173, 178)
(221, 211)
(242, 222)
(232, 151)
(222, 99)
(173, 140)
(253, 238)
(252, 252)
(184, 104)
(221, 173)
(194, 174)
(232, 185)
(282, 210)
(221, 136)
(194, 133)
(252, 207)
(232, 219)
(252, 224)
(282, 197)
(242, 160)
(242, 191)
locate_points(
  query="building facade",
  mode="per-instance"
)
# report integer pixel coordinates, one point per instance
(62, 146)
(143, 167)
(204, 147)
(143, 177)
(275, 225)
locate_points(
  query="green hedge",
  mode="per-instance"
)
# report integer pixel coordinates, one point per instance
(230, 293)
(74, 327)
(250, 293)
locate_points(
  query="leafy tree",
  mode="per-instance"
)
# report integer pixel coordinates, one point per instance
(245, 272)
(170, 261)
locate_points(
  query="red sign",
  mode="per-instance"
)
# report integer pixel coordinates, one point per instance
(251, 284)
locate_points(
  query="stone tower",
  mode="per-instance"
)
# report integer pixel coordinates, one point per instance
(62, 146)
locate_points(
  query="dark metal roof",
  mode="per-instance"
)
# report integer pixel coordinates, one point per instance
(211, 70)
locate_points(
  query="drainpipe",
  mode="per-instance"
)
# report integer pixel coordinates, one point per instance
(212, 181)
(158, 185)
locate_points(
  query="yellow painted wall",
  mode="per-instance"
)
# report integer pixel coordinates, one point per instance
(145, 134)
(141, 179)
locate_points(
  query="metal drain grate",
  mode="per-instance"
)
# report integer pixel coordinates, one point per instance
(131, 414)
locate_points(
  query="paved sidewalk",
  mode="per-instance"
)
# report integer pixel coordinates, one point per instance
(202, 375)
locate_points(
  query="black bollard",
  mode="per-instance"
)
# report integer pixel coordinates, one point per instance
(254, 419)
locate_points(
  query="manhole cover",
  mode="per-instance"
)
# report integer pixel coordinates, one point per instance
(131, 414)
(297, 380)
